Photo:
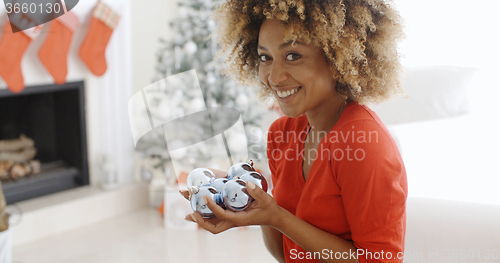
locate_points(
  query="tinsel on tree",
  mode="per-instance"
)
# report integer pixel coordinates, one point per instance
(192, 47)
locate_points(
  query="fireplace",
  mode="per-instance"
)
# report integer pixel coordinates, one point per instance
(53, 116)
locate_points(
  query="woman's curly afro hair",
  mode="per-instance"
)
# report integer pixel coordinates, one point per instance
(359, 39)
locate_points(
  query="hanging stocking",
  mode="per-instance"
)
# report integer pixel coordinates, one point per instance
(92, 52)
(12, 48)
(54, 52)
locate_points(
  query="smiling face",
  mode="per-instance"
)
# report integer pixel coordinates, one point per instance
(299, 75)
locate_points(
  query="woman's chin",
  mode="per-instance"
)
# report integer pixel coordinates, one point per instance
(291, 113)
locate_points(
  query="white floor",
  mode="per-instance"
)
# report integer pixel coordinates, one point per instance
(140, 237)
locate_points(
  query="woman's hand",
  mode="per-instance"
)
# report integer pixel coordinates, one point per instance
(220, 225)
(263, 211)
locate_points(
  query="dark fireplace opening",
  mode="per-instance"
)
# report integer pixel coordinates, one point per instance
(53, 117)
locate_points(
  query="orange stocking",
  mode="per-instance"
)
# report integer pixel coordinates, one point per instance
(93, 49)
(54, 52)
(12, 48)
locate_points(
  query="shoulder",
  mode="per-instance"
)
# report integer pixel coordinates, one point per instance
(360, 125)
(355, 112)
(361, 141)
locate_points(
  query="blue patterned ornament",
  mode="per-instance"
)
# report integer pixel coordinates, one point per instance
(228, 193)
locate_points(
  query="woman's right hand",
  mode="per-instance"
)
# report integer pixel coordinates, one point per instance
(221, 225)
(218, 225)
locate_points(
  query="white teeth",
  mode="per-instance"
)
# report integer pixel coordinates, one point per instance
(284, 94)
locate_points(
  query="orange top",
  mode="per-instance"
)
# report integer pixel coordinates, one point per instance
(356, 187)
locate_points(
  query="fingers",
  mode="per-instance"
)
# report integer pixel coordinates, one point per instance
(190, 218)
(237, 218)
(256, 192)
(218, 211)
(212, 225)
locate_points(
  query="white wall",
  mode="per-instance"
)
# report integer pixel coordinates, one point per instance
(450, 32)
(149, 22)
(454, 158)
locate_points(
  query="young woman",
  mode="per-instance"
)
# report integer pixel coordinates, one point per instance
(339, 181)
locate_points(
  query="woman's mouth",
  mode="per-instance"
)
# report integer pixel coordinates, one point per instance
(286, 94)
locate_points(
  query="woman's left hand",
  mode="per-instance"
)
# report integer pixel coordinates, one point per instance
(263, 211)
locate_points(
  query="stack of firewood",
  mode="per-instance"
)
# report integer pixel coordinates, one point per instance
(16, 158)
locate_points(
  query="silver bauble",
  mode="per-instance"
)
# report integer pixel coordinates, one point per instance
(235, 195)
(219, 183)
(199, 177)
(238, 170)
(255, 178)
(198, 204)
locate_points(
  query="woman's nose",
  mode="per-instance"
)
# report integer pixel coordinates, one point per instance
(277, 74)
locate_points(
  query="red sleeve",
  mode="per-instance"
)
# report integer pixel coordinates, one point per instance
(372, 179)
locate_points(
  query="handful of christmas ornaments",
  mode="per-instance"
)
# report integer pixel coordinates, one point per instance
(228, 193)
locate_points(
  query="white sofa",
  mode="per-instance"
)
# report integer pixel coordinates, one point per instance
(447, 131)
(451, 231)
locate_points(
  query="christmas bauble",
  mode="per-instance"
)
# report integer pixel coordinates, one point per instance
(239, 169)
(190, 47)
(255, 178)
(235, 195)
(219, 183)
(199, 177)
(198, 204)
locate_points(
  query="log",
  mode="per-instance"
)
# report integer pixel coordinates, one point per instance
(19, 170)
(12, 171)
(16, 144)
(4, 217)
(23, 155)
(5, 168)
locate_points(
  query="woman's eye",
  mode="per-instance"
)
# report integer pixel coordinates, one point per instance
(264, 58)
(292, 56)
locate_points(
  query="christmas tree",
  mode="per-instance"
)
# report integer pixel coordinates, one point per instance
(193, 47)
